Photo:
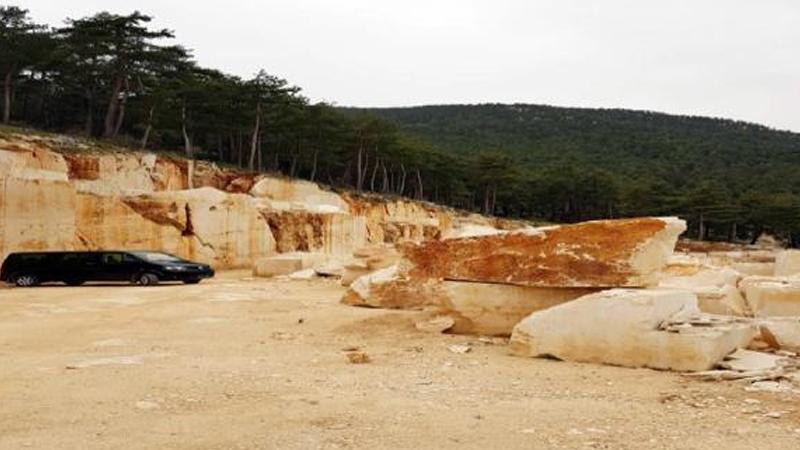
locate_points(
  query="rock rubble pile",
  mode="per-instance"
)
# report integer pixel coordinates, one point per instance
(610, 292)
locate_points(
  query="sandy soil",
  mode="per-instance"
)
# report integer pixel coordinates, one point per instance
(239, 363)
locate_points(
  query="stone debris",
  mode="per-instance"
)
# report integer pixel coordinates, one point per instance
(606, 253)
(356, 356)
(437, 325)
(330, 269)
(754, 367)
(747, 360)
(658, 328)
(460, 348)
(305, 274)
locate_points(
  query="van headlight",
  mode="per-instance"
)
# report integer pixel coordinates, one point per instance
(175, 268)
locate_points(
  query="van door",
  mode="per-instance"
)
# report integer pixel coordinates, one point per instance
(75, 267)
(118, 266)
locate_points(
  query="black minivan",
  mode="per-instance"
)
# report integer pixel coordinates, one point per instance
(75, 268)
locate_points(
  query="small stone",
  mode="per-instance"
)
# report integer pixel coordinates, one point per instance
(752, 401)
(460, 348)
(146, 405)
(438, 324)
(357, 357)
(774, 415)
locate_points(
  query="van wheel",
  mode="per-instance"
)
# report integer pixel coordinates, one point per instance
(25, 280)
(146, 279)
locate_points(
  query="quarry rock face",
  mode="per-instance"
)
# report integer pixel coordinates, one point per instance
(61, 193)
(609, 253)
(632, 328)
(32, 181)
(309, 194)
(203, 224)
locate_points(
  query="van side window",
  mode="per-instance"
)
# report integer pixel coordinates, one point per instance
(113, 258)
(31, 258)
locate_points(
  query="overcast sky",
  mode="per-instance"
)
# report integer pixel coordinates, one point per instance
(726, 58)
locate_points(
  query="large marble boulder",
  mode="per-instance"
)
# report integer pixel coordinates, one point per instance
(787, 263)
(772, 296)
(631, 328)
(606, 253)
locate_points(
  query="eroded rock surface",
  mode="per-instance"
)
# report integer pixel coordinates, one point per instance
(61, 193)
(610, 253)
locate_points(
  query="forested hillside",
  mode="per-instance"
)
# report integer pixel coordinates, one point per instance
(116, 78)
(574, 163)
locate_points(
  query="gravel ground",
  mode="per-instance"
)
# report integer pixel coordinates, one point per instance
(241, 363)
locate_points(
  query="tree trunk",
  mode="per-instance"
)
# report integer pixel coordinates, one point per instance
(239, 151)
(314, 165)
(293, 167)
(374, 172)
(419, 186)
(385, 187)
(260, 157)
(187, 143)
(358, 165)
(254, 139)
(121, 115)
(87, 124)
(701, 229)
(232, 147)
(113, 103)
(494, 200)
(7, 88)
(147, 130)
(402, 180)
(365, 168)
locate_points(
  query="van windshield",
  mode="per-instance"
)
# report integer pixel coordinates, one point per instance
(157, 257)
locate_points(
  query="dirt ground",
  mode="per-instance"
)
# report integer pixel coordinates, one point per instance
(236, 363)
